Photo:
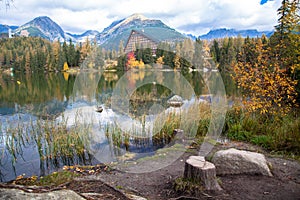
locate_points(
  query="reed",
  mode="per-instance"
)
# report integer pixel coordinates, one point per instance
(53, 140)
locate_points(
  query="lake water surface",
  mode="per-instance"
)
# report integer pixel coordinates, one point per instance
(33, 106)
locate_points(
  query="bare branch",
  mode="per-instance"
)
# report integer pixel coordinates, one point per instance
(7, 3)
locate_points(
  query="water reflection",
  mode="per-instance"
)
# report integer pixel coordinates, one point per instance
(40, 115)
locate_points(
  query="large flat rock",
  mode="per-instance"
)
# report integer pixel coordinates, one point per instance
(20, 194)
(233, 161)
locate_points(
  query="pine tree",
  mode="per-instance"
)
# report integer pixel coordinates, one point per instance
(71, 54)
(215, 51)
(285, 40)
(198, 55)
(121, 48)
(188, 49)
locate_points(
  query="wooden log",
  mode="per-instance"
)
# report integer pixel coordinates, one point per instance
(200, 171)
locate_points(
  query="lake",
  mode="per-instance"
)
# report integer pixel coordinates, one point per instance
(49, 120)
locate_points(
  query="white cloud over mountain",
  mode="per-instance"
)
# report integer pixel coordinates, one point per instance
(193, 16)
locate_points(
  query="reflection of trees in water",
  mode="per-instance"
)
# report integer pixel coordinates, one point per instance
(42, 88)
(35, 88)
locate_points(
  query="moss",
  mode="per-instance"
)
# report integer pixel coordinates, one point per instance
(185, 186)
(54, 179)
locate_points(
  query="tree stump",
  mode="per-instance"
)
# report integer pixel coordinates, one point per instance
(201, 171)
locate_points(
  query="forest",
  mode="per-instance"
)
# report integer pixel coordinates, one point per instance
(265, 71)
(29, 54)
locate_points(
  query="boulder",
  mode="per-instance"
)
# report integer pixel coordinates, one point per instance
(20, 194)
(233, 161)
(175, 101)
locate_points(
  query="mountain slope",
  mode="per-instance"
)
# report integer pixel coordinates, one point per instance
(90, 34)
(223, 32)
(119, 30)
(42, 27)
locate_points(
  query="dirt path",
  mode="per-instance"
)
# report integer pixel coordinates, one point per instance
(159, 184)
(285, 183)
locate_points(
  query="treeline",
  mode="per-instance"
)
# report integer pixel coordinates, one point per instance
(181, 55)
(30, 54)
(35, 88)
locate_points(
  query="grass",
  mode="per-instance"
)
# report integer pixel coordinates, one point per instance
(54, 179)
(54, 140)
(190, 187)
(116, 137)
(279, 134)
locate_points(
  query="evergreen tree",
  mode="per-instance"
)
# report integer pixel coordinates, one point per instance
(121, 48)
(147, 57)
(215, 51)
(198, 55)
(71, 55)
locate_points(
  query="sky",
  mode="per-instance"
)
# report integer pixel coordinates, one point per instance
(196, 17)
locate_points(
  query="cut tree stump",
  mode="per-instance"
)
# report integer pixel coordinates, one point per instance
(201, 171)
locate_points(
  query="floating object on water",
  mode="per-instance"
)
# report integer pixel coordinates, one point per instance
(19, 82)
(99, 109)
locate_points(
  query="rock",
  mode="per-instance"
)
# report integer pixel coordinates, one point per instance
(233, 161)
(175, 101)
(20, 194)
(99, 109)
(204, 172)
(135, 197)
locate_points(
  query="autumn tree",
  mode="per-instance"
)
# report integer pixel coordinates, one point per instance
(177, 57)
(36, 54)
(85, 49)
(132, 62)
(270, 89)
(285, 42)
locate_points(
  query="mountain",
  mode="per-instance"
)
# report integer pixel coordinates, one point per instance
(4, 28)
(90, 34)
(191, 36)
(223, 32)
(42, 27)
(119, 30)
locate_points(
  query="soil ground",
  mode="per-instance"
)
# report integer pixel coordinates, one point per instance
(159, 184)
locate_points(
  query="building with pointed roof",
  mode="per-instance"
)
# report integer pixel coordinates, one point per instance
(141, 39)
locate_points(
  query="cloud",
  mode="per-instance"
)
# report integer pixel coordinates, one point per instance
(193, 16)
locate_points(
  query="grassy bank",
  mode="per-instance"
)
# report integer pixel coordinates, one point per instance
(278, 134)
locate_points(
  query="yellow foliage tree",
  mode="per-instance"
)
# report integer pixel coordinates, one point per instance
(133, 63)
(66, 67)
(266, 87)
(160, 60)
